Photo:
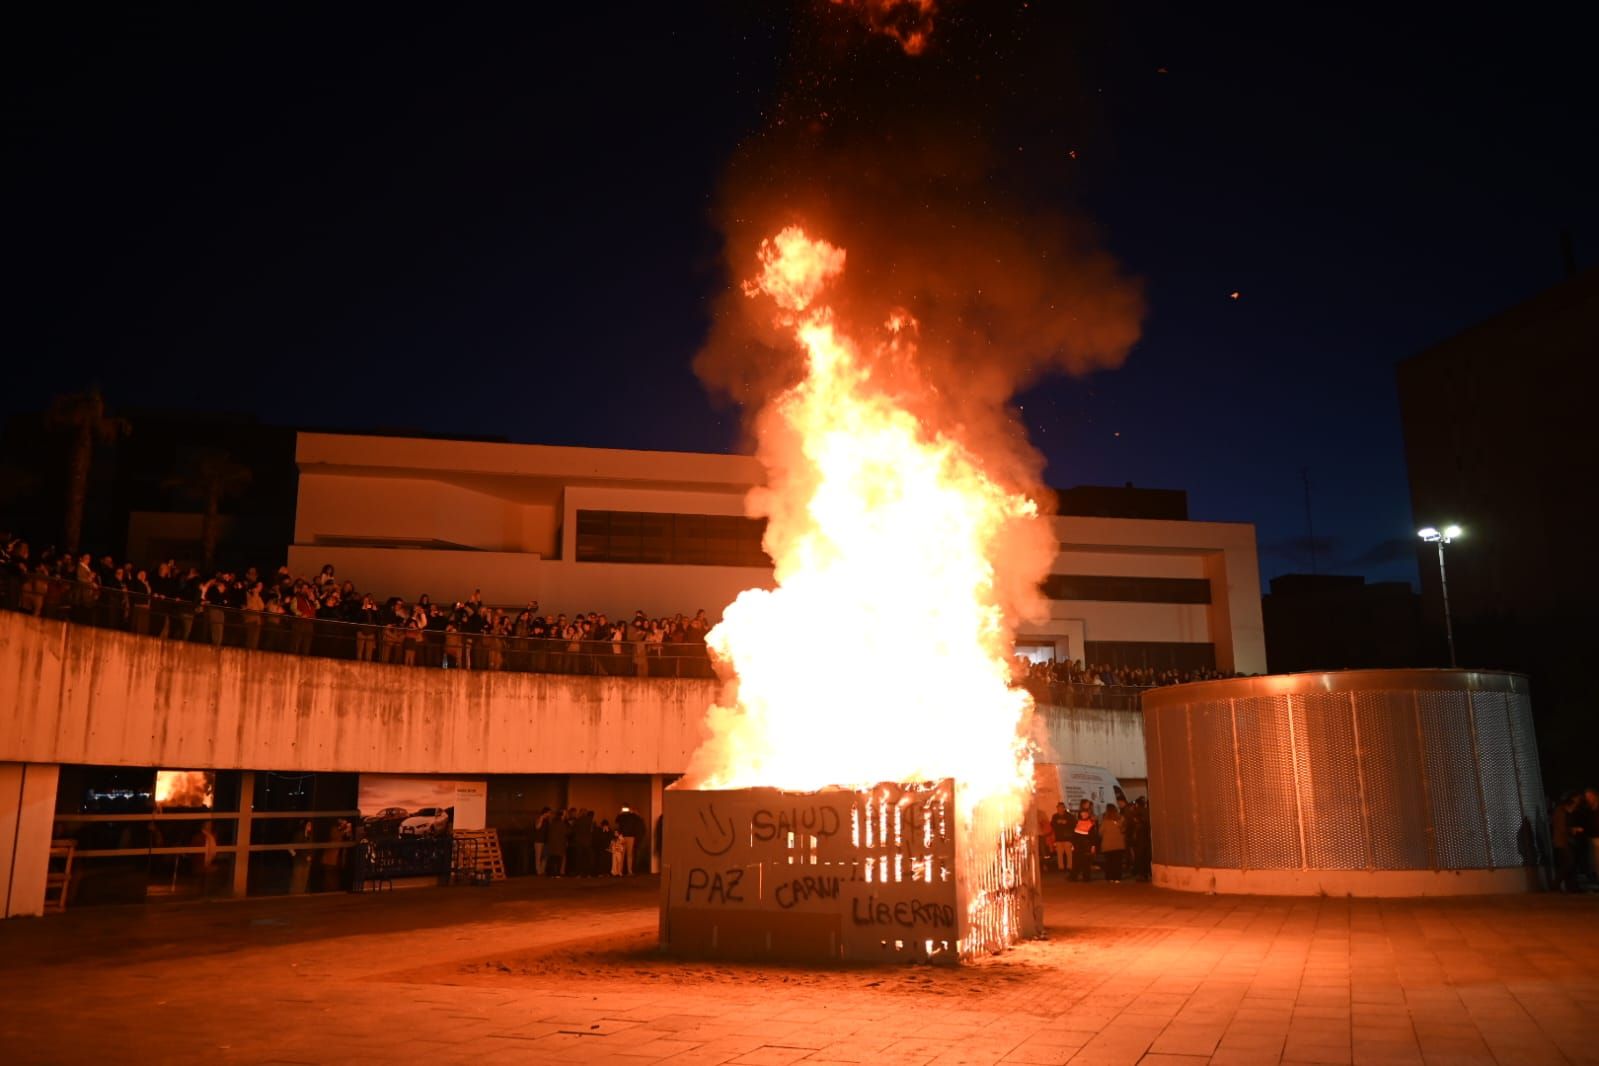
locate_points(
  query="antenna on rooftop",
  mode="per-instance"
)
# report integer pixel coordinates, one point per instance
(1310, 522)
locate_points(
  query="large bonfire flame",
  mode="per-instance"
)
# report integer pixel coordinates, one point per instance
(883, 653)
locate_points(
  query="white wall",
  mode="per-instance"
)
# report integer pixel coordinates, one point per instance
(27, 815)
(420, 509)
(1130, 564)
(1169, 622)
(1221, 552)
(1093, 737)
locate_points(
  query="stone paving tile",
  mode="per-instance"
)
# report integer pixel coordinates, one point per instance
(535, 972)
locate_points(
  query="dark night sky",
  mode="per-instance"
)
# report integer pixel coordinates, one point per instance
(502, 225)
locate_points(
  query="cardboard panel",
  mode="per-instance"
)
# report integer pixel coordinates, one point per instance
(823, 875)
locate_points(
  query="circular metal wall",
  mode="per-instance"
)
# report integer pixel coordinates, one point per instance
(1359, 782)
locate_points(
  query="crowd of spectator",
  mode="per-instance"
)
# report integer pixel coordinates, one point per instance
(1117, 839)
(327, 615)
(1073, 672)
(576, 843)
(1574, 829)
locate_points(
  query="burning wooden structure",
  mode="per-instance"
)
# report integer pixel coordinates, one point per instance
(885, 874)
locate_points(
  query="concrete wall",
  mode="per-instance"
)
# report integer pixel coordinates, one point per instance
(27, 814)
(81, 695)
(1093, 737)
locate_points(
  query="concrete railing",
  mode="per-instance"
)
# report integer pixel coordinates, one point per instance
(78, 694)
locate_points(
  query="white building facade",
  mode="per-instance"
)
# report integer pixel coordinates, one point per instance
(581, 529)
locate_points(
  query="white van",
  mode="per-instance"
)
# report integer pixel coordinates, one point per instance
(1071, 783)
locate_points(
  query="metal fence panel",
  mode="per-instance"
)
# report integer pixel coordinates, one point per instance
(1452, 786)
(1519, 708)
(1266, 766)
(1176, 812)
(1218, 835)
(1391, 772)
(1329, 788)
(1500, 787)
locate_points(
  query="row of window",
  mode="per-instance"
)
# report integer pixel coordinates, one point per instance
(680, 539)
(1151, 655)
(1127, 589)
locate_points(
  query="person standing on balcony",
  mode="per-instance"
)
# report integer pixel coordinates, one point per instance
(86, 591)
(162, 588)
(254, 611)
(213, 595)
(303, 606)
(35, 591)
(367, 621)
(139, 593)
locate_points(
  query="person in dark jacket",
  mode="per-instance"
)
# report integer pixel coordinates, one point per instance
(582, 863)
(1060, 834)
(633, 831)
(1142, 860)
(555, 846)
(1085, 841)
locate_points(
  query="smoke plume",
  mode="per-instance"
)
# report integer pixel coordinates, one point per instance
(946, 177)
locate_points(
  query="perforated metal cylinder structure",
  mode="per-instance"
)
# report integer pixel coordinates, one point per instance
(1359, 782)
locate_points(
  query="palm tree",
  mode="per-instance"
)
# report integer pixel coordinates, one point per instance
(84, 415)
(211, 477)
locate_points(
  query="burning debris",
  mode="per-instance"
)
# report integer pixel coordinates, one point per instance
(883, 873)
(184, 789)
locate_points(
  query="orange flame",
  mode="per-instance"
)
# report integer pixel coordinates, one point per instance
(184, 788)
(883, 652)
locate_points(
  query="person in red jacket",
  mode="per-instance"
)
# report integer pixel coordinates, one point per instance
(1085, 841)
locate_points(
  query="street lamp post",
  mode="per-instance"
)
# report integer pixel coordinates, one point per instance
(1441, 537)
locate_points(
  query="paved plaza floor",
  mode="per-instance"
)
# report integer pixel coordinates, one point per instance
(536, 971)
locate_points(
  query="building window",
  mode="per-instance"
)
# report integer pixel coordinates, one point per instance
(1127, 589)
(1150, 655)
(677, 539)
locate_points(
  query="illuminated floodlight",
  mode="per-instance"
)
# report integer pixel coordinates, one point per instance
(1429, 534)
(1452, 532)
